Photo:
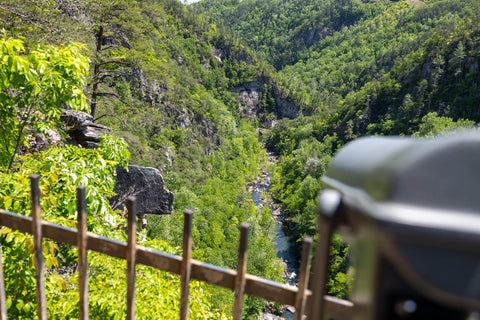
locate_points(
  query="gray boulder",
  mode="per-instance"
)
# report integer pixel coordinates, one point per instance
(147, 185)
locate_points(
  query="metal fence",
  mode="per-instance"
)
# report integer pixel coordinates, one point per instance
(316, 304)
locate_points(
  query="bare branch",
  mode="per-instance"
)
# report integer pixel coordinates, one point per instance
(112, 94)
(110, 47)
(123, 122)
(99, 77)
(125, 63)
(120, 202)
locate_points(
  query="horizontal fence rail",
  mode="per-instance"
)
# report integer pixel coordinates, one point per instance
(188, 269)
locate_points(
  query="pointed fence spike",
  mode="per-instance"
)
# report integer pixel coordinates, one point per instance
(37, 247)
(186, 266)
(131, 256)
(82, 252)
(240, 279)
(304, 271)
(320, 271)
(3, 301)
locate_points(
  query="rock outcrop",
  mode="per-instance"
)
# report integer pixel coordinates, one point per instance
(285, 108)
(81, 129)
(249, 98)
(147, 185)
(249, 94)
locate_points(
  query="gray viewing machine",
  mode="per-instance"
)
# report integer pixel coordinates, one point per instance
(411, 210)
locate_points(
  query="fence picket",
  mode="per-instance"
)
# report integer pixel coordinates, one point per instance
(82, 252)
(131, 256)
(317, 308)
(186, 266)
(303, 273)
(241, 271)
(37, 247)
(3, 300)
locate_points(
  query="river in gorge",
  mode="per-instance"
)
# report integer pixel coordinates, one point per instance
(284, 245)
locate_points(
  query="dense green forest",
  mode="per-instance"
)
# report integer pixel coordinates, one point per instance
(355, 68)
(165, 78)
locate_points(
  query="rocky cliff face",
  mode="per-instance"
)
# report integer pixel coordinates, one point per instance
(285, 108)
(250, 95)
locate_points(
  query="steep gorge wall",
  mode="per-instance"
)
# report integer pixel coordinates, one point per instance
(252, 100)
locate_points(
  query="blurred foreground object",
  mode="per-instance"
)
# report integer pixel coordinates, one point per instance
(411, 209)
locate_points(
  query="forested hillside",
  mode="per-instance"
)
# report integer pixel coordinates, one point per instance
(281, 30)
(363, 51)
(169, 80)
(354, 68)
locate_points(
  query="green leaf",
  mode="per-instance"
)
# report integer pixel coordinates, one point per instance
(19, 304)
(7, 204)
(26, 307)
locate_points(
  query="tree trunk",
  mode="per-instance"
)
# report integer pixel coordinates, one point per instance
(96, 72)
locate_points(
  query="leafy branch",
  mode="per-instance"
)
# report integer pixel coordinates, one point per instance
(33, 89)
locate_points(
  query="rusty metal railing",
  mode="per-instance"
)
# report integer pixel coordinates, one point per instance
(237, 280)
